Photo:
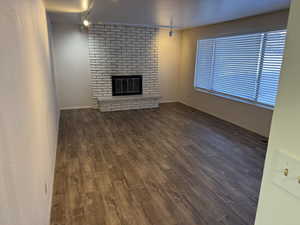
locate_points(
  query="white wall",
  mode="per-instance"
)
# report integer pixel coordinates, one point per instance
(28, 115)
(71, 60)
(276, 206)
(248, 116)
(73, 72)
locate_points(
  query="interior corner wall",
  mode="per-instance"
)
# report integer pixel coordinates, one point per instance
(28, 115)
(245, 115)
(276, 205)
(169, 65)
(71, 63)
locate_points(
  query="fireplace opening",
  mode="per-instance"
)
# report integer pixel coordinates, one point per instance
(127, 85)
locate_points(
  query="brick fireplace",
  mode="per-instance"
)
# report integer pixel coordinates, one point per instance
(117, 51)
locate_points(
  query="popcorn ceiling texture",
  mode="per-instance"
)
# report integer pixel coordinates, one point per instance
(123, 50)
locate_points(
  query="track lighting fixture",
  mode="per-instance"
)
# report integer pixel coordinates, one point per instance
(85, 17)
(86, 22)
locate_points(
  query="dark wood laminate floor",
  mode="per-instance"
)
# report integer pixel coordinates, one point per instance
(167, 166)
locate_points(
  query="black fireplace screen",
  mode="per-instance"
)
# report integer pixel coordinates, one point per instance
(127, 85)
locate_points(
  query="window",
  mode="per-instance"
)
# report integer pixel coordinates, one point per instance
(244, 66)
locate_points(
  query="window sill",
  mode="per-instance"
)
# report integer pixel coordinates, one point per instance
(236, 99)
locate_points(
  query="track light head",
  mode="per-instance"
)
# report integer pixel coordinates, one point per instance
(86, 23)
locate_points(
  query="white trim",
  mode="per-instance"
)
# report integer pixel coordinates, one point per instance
(196, 65)
(236, 99)
(75, 107)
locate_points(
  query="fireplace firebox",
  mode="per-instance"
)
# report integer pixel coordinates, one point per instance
(127, 85)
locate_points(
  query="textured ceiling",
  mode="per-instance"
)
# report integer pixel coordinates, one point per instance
(184, 13)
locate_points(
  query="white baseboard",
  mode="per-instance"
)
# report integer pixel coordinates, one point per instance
(76, 107)
(92, 107)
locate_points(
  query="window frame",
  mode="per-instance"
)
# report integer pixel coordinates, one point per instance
(228, 96)
(234, 98)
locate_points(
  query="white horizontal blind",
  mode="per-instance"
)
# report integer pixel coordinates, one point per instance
(236, 65)
(204, 63)
(273, 50)
(243, 66)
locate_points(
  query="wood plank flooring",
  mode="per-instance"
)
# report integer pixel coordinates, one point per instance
(168, 166)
